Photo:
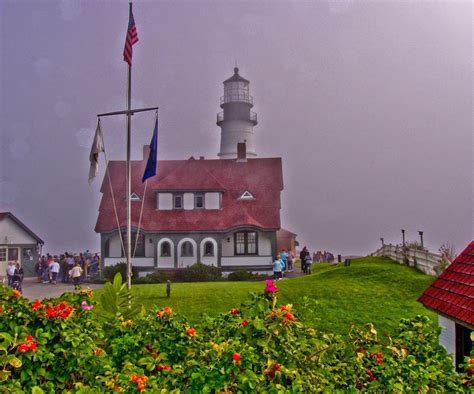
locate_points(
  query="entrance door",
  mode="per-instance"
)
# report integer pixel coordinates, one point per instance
(463, 343)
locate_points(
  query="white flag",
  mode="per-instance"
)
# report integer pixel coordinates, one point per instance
(97, 147)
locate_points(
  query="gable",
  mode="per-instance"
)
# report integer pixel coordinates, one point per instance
(14, 233)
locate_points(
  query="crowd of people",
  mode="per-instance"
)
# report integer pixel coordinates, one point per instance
(67, 267)
(285, 259)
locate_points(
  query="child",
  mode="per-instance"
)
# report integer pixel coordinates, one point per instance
(75, 274)
(277, 268)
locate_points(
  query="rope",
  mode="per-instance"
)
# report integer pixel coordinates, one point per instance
(140, 219)
(112, 192)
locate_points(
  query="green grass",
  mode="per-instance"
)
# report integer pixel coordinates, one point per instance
(372, 289)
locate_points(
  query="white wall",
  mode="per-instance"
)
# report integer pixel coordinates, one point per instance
(137, 261)
(208, 260)
(264, 245)
(247, 261)
(185, 261)
(115, 247)
(188, 201)
(166, 261)
(212, 200)
(149, 247)
(165, 201)
(14, 233)
(447, 338)
(228, 247)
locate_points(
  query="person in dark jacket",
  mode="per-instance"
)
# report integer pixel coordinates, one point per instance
(303, 254)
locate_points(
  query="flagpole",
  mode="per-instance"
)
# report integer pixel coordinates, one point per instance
(129, 176)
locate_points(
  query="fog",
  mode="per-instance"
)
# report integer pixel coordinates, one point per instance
(369, 104)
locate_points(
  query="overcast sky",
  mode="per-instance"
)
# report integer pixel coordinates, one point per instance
(369, 104)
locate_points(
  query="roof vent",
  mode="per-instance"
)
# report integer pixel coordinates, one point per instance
(246, 195)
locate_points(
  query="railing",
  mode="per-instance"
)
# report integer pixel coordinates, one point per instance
(252, 117)
(425, 261)
(237, 98)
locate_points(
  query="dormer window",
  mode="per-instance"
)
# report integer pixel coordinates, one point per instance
(135, 197)
(247, 196)
(199, 201)
(178, 201)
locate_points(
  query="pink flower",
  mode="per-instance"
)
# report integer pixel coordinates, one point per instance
(270, 287)
(86, 307)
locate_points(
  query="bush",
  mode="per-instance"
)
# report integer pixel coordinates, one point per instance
(64, 346)
(200, 272)
(110, 271)
(245, 276)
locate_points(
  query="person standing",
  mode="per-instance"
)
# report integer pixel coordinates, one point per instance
(303, 259)
(308, 262)
(10, 273)
(289, 260)
(54, 270)
(76, 273)
(277, 268)
(17, 278)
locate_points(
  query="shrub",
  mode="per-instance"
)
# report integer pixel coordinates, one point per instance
(110, 271)
(262, 346)
(200, 272)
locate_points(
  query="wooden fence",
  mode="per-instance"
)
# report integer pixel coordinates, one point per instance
(425, 261)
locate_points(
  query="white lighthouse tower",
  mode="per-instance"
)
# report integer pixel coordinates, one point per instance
(236, 120)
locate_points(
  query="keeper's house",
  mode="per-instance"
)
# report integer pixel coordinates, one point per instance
(452, 297)
(223, 212)
(18, 244)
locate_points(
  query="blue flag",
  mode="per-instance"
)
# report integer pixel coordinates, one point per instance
(150, 169)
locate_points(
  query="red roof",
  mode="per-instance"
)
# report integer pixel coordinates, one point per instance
(452, 294)
(262, 177)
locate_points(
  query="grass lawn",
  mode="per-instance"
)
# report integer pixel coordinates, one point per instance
(372, 289)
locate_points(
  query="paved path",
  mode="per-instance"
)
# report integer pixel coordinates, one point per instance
(38, 291)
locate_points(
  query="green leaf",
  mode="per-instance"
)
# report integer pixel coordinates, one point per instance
(37, 390)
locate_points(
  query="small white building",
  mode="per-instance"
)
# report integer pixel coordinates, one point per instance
(452, 297)
(18, 244)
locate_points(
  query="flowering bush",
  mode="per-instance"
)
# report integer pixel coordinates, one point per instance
(261, 346)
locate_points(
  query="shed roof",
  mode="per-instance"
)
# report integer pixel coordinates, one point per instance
(452, 294)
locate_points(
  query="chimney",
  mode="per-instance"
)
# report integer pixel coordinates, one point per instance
(201, 157)
(146, 152)
(241, 152)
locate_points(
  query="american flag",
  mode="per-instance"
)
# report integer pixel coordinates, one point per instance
(132, 38)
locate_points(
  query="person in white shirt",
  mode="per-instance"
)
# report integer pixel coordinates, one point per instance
(10, 272)
(54, 271)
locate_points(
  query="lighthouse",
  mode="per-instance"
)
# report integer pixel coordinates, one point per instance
(236, 119)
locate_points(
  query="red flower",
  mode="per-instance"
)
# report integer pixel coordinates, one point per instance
(22, 347)
(289, 316)
(160, 314)
(117, 388)
(236, 357)
(371, 376)
(16, 293)
(29, 338)
(167, 310)
(191, 332)
(160, 368)
(276, 366)
(379, 358)
(283, 308)
(244, 323)
(38, 305)
(98, 351)
(234, 311)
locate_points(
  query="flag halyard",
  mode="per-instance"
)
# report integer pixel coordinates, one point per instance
(151, 164)
(130, 40)
(97, 147)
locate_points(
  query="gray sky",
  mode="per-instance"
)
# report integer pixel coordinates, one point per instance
(368, 103)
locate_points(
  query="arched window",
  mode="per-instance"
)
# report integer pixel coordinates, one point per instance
(187, 249)
(208, 249)
(165, 249)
